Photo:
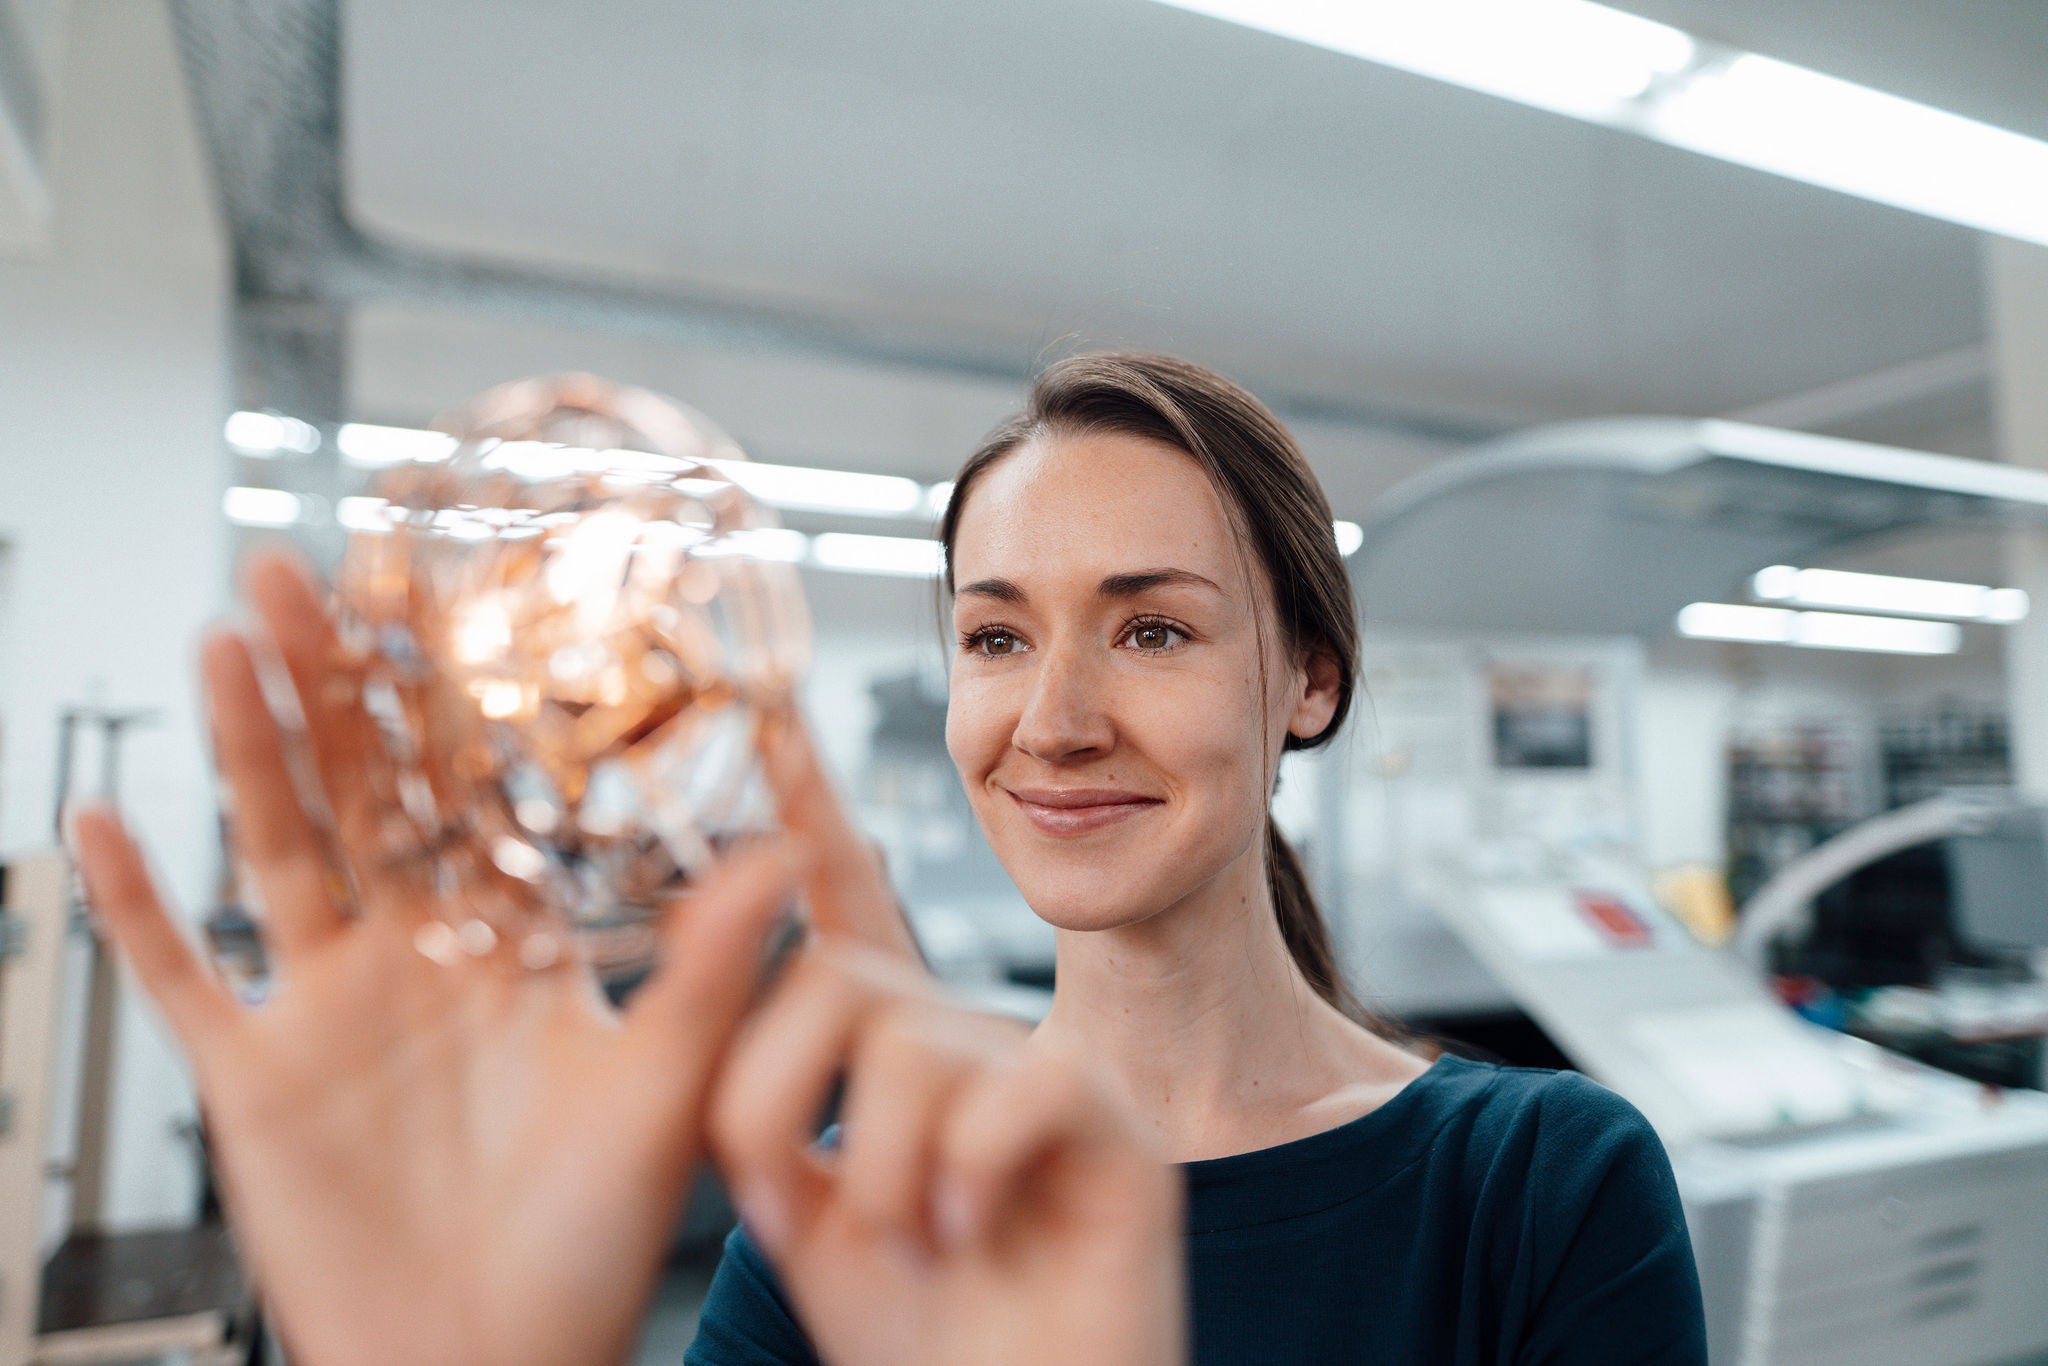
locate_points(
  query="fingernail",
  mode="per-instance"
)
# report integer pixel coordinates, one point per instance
(766, 1216)
(952, 1214)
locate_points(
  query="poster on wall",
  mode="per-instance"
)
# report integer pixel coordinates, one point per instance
(1542, 716)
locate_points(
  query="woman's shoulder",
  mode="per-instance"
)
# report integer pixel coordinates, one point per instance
(1537, 1123)
(1572, 1194)
(1559, 1104)
(1480, 1135)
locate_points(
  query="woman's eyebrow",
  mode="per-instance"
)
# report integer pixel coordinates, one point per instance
(1130, 585)
(1002, 590)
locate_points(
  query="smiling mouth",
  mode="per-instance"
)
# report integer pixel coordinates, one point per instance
(1078, 810)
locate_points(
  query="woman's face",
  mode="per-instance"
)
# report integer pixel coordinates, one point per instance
(1105, 709)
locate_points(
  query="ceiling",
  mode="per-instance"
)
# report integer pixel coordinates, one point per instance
(1119, 172)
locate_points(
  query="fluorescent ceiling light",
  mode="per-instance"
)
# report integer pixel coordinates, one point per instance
(1350, 536)
(1889, 593)
(1566, 55)
(792, 486)
(374, 447)
(364, 514)
(1595, 63)
(1794, 122)
(913, 556)
(762, 543)
(264, 435)
(1818, 630)
(261, 507)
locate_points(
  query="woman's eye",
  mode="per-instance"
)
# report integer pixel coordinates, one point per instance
(994, 643)
(1154, 636)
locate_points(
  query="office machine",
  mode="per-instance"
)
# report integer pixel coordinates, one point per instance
(1847, 1205)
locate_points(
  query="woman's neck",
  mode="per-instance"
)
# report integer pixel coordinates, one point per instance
(1217, 1039)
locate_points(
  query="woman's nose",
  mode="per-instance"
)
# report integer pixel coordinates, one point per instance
(1065, 715)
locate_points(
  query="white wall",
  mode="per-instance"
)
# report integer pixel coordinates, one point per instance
(112, 388)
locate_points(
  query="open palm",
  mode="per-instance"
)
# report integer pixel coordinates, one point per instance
(456, 1160)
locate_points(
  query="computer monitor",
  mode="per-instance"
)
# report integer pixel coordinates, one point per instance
(1998, 882)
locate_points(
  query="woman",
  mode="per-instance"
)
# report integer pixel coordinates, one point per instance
(1150, 608)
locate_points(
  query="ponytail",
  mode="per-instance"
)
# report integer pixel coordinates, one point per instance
(1303, 928)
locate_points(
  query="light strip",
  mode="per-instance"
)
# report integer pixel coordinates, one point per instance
(812, 490)
(268, 435)
(1757, 111)
(1591, 62)
(261, 507)
(793, 487)
(1839, 588)
(911, 556)
(374, 447)
(790, 487)
(1818, 630)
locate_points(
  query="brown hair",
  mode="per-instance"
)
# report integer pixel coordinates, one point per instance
(1279, 511)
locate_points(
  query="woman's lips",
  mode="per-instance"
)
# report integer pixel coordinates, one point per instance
(1077, 810)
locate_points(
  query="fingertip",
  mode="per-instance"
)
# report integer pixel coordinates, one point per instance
(282, 586)
(88, 822)
(276, 563)
(221, 647)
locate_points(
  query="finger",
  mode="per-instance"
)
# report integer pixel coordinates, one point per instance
(288, 856)
(347, 747)
(1016, 1123)
(775, 1084)
(124, 902)
(907, 1066)
(848, 895)
(711, 956)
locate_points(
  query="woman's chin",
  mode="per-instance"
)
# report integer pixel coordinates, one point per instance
(1065, 906)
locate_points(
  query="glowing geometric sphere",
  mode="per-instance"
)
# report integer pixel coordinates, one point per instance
(570, 628)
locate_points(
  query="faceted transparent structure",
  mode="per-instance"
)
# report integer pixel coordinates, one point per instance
(571, 626)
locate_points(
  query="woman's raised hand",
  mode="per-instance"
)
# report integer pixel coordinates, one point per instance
(986, 1201)
(426, 1162)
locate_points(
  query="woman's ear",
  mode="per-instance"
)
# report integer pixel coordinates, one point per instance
(1317, 702)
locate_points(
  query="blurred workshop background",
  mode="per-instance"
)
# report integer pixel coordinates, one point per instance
(1678, 371)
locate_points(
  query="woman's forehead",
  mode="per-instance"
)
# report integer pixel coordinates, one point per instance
(1094, 504)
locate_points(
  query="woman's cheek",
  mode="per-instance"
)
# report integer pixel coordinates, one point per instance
(1191, 725)
(979, 722)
